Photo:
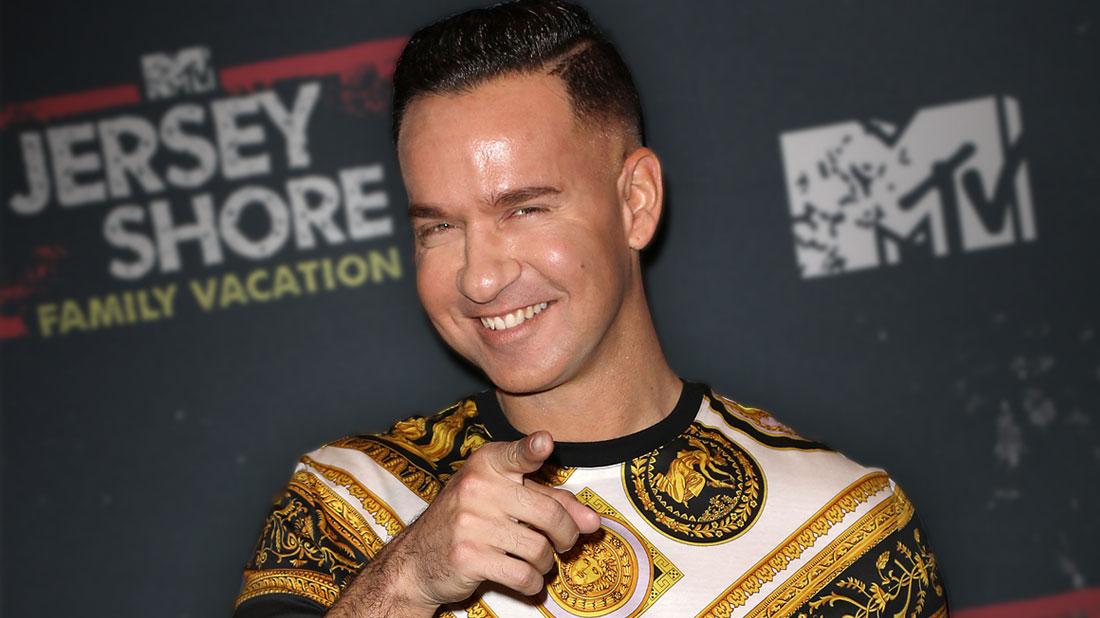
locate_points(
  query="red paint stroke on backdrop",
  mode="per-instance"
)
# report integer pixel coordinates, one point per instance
(1083, 603)
(60, 106)
(365, 71)
(29, 282)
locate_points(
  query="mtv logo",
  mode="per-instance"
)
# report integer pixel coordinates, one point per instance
(867, 194)
(187, 72)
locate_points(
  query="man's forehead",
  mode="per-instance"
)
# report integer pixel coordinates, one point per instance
(510, 106)
(512, 132)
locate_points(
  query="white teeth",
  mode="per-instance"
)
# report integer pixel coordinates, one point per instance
(513, 319)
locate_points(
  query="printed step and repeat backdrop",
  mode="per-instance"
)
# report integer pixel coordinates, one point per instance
(882, 224)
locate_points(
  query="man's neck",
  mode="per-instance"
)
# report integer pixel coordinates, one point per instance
(627, 388)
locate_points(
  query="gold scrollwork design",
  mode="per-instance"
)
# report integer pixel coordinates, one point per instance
(381, 512)
(881, 521)
(792, 548)
(313, 586)
(893, 593)
(445, 426)
(597, 576)
(419, 481)
(761, 419)
(663, 488)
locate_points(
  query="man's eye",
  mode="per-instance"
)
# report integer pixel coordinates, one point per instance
(435, 228)
(524, 211)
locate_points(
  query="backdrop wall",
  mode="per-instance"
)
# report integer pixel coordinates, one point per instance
(881, 227)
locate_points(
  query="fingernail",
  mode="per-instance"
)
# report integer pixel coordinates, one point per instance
(538, 442)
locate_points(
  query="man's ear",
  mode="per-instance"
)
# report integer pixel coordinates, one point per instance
(641, 191)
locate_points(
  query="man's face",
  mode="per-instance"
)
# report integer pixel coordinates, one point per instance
(521, 237)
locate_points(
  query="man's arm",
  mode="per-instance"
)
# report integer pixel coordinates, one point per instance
(488, 523)
(897, 576)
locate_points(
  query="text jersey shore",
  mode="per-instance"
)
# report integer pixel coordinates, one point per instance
(717, 510)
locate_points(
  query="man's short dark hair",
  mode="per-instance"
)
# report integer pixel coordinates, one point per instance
(461, 52)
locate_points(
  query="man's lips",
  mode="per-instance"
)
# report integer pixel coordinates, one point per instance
(513, 318)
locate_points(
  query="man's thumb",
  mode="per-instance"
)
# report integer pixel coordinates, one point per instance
(527, 454)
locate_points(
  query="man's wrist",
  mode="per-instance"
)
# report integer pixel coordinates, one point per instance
(386, 587)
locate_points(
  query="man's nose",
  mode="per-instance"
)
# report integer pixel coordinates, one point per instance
(490, 266)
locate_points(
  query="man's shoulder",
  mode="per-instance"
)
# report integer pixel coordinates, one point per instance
(822, 526)
(758, 424)
(347, 499)
(782, 452)
(420, 452)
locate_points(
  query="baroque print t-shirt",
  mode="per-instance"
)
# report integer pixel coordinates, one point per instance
(717, 510)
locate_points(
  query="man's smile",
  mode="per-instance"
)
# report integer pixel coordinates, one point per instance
(513, 319)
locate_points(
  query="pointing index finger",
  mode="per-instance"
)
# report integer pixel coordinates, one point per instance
(525, 455)
(587, 520)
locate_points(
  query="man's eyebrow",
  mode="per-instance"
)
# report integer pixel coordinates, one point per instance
(515, 197)
(506, 199)
(425, 211)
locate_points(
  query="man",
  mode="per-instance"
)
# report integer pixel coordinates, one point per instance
(591, 480)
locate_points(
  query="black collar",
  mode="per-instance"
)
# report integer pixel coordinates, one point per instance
(604, 452)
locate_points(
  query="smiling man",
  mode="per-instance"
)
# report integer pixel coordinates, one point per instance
(592, 480)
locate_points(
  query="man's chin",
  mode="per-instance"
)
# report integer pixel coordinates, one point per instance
(529, 381)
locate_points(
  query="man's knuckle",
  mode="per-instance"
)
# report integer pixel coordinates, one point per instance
(521, 545)
(532, 581)
(469, 485)
(523, 496)
(464, 520)
(565, 496)
(485, 451)
(512, 454)
(461, 553)
(559, 517)
(506, 573)
(546, 557)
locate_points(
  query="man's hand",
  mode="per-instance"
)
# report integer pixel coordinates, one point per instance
(488, 523)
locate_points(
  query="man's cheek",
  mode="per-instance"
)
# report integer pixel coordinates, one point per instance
(558, 254)
(430, 288)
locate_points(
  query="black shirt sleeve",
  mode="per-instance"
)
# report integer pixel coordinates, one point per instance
(897, 576)
(279, 606)
(311, 546)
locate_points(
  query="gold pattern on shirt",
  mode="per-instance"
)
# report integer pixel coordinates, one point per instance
(478, 609)
(473, 438)
(765, 570)
(600, 574)
(701, 488)
(893, 594)
(758, 418)
(444, 430)
(597, 576)
(419, 481)
(338, 520)
(690, 471)
(552, 475)
(381, 512)
(313, 586)
(881, 521)
(473, 609)
(325, 549)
